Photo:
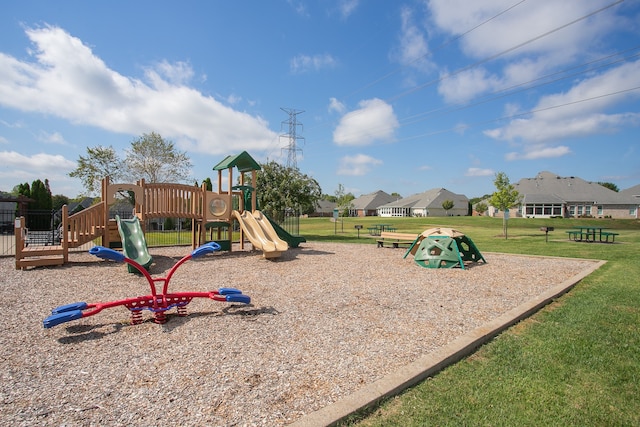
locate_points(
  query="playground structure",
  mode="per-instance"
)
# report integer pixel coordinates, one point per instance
(441, 247)
(158, 303)
(211, 213)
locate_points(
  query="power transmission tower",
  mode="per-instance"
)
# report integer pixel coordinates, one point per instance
(292, 136)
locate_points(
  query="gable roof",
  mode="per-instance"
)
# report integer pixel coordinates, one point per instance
(372, 201)
(243, 161)
(633, 194)
(429, 199)
(548, 187)
(325, 206)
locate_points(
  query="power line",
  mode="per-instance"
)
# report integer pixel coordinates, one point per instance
(525, 86)
(499, 54)
(439, 47)
(513, 116)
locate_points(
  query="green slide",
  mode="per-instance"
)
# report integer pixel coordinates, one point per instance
(292, 240)
(134, 245)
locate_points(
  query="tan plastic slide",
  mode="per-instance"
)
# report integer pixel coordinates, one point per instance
(261, 234)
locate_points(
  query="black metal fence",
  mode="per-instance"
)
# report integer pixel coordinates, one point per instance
(44, 229)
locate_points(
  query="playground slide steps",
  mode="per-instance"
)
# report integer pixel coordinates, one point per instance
(34, 256)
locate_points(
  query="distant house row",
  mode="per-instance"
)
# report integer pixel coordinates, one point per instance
(547, 195)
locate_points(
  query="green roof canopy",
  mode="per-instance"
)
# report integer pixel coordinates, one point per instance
(243, 161)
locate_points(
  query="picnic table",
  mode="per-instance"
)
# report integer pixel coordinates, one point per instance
(376, 229)
(592, 234)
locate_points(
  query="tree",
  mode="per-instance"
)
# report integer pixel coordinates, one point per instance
(58, 201)
(343, 200)
(610, 186)
(447, 205)
(156, 160)
(151, 157)
(279, 188)
(504, 198)
(481, 208)
(99, 163)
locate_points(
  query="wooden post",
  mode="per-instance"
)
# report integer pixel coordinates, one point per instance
(105, 197)
(64, 236)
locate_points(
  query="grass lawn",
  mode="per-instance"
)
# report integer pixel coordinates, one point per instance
(576, 362)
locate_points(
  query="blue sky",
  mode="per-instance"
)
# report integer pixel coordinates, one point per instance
(397, 96)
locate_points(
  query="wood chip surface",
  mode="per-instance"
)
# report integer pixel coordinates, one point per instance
(325, 320)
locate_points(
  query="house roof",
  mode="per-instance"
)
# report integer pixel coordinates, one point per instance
(548, 187)
(429, 199)
(243, 161)
(633, 194)
(372, 200)
(325, 206)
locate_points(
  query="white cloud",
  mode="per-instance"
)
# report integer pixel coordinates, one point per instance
(66, 80)
(574, 118)
(413, 48)
(336, 106)
(52, 138)
(539, 152)
(179, 73)
(522, 25)
(41, 161)
(373, 121)
(347, 7)
(304, 63)
(357, 165)
(479, 172)
(233, 99)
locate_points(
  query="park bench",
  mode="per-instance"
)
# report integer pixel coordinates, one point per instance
(396, 239)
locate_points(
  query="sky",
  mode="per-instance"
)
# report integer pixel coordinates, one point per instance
(398, 96)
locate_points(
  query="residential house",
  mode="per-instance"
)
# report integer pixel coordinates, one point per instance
(324, 208)
(550, 195)
(367, 204)
(428, 203)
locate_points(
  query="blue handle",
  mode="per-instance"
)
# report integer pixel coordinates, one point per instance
(245, 299)
(69, 307)
(106, 253)
(207, 248)
(66, 316)
(229, 291)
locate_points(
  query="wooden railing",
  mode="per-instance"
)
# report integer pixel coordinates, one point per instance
(84, 226)
(172, 200)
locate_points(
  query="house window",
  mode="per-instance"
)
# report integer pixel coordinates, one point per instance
(557, 210)
(600, 210)
(580, 208)
(632, 211)
(587, 210)
(572, 210)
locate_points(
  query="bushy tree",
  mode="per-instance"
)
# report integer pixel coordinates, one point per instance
(150, 157)
(280, 188)
(505, 198)
(610, 186)
(99, 162)
(481, 208)
(447, 205)
(156, 160)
